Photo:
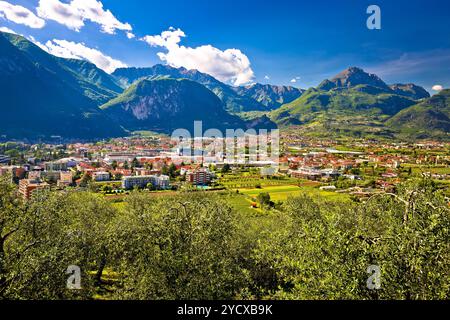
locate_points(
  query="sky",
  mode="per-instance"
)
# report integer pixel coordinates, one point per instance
(281, 42)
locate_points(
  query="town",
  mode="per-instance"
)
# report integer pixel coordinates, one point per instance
(347, 169)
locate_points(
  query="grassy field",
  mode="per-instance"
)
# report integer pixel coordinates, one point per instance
(252, 181)
(282, 193)
(242, 204)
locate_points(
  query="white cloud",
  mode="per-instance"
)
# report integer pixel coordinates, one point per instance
(74, 14)
(295, 79)
(20, 15)
(7, 30)
(130, 35)
(266, 77)
(437, 88)
(62, 13)
(72, 50)
(230, 65)
(169, 39)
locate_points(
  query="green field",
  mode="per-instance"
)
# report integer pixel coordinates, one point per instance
(418, 169)
(248, 181)
(282, 193)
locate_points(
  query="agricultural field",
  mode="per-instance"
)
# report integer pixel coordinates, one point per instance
(418, 169)
(282, 193)
(245, 181)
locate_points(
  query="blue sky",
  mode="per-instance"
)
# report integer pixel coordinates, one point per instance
(282, 40)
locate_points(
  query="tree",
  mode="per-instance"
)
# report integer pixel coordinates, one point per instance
(325, 248)
(149, 166)
(57, 230)
(264, 200)
(226, 168)
(10, 222)
(85, 180)
(179, 248)
(172, 172)
(135, 163)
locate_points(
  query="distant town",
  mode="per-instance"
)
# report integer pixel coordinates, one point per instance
(346, 169)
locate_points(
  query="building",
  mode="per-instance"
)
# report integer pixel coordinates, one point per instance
(27, 187)
(162, 182)
(159, 182)
(4, 159)
(101, 176)
(199, 177)
(119, 157)
(314, 174)
(307, 174)
(35, 175)
(51, 176)
(56, 166)
(146, 172)
(65, 179)
(14, 171)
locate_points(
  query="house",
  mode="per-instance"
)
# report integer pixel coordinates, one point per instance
(307, 173)
(199, 177)
(100, 176)
(28, 186)
(4, 159)
(14, 171)
(65, 179)
(56, 166)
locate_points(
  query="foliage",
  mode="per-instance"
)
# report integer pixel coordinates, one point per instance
(325, 250)
(195, 246)
(184, 248)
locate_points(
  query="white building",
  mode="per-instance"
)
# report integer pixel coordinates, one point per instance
(101, 176)
(159, 182)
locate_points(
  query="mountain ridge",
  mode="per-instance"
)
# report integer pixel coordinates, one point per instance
(147, 104)
(236, 99)
(352, 103)
(44, 95)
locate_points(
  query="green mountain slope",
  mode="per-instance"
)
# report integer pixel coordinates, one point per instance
(428, 119)
(353, 103)
(40, 96)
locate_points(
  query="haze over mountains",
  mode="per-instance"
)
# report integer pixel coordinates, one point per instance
(43, 95)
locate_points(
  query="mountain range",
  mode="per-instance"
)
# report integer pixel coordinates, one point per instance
(358, 104)
(43, 95)
(165, 105)
(256, 97)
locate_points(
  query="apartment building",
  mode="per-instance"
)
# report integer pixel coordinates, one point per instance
(199, 177)
(101, 176)
(28, 186)
(159, 182)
